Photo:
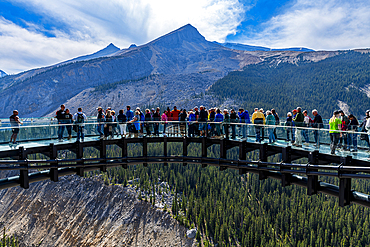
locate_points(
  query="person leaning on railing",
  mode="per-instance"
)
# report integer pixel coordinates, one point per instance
(233, 119)
(60, 115)
(317, 124)
(79, 119)
(352, 136)
(258, 118)
(100, 118)
(335, 124)
(219, 118)
(226, 123)
(270, 120)
(191, 123)
(69, 120)
(14, 122)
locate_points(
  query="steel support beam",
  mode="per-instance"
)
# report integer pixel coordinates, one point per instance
(145, 150)
(286, 158)
(53, 154)
(80, 154)
(23, 174)
(345, 191)
(312, 180)
(204, 150)
(185, 149)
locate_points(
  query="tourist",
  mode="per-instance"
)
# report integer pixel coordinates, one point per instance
(129, 116)
(114, 124)
(108, 127)
(60, 115)
(182, 118)
(69, 122)
(156, 117)
(317, 123)
(262, 128)
(14, 123)
(202, 120)
(362, 128)
(79, 119)
(270, 120)
(164, 118)
(299, 123)
(277, 121)
(100, 119)
(219, 118)
(343, 141)
(258, 118)
(233, 120)
(191, 123)
(175, 117)
(335, 124)
(289, 130)
(122, 119)
(196, 125)
(307, 122)
(148, 118)
(211, 119)
(226, 123)
(135, 124)
(352, 135)
(243, 119)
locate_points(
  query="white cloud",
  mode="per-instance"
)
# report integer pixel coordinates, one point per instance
(321, 25)
(92, 24)
(21, 49)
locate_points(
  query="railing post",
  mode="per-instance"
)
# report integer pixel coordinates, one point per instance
(165, 149)
(263, 158)
(23, 176)
(184, 149)
(124, 152)
(242, 155)
(80, 164)
(286, 158)
(145, 150)
(204, 150)
(345, 184)
(103, 155)
(53, 156)
(313, 181)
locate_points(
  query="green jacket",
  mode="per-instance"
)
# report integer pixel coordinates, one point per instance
(299, 119)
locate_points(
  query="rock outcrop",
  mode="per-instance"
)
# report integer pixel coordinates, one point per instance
(86, 212)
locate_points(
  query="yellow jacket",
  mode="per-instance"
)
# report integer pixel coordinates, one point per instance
(259, 115)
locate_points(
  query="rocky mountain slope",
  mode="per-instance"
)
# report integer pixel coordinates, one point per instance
(86, 212)
(176, 68)
(2, 73)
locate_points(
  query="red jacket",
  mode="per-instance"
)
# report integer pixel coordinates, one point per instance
(175, 115)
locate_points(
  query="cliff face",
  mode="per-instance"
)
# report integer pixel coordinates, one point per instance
(86, 212)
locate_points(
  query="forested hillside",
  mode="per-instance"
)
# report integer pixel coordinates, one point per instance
(284, 86)
(233, 210)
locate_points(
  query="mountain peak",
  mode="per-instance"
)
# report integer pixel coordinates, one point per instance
(185, 33)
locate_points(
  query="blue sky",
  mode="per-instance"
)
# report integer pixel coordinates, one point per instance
(36, 33)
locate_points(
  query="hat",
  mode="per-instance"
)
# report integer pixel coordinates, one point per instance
(295, 110)
(153, 109)
(367, 111)
(99, 108)
(195, 107)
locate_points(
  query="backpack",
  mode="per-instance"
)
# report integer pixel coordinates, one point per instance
(80, 118)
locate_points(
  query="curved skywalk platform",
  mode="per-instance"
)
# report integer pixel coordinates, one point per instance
(297, 165)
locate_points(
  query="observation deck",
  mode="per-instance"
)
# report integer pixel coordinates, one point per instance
(39, 155)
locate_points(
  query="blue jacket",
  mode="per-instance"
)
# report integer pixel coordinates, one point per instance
(219, 117)
(129, 115)
(192, 117)
(244, 117)
(270, 120)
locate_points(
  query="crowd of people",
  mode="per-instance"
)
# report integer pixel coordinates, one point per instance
(212, 123)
